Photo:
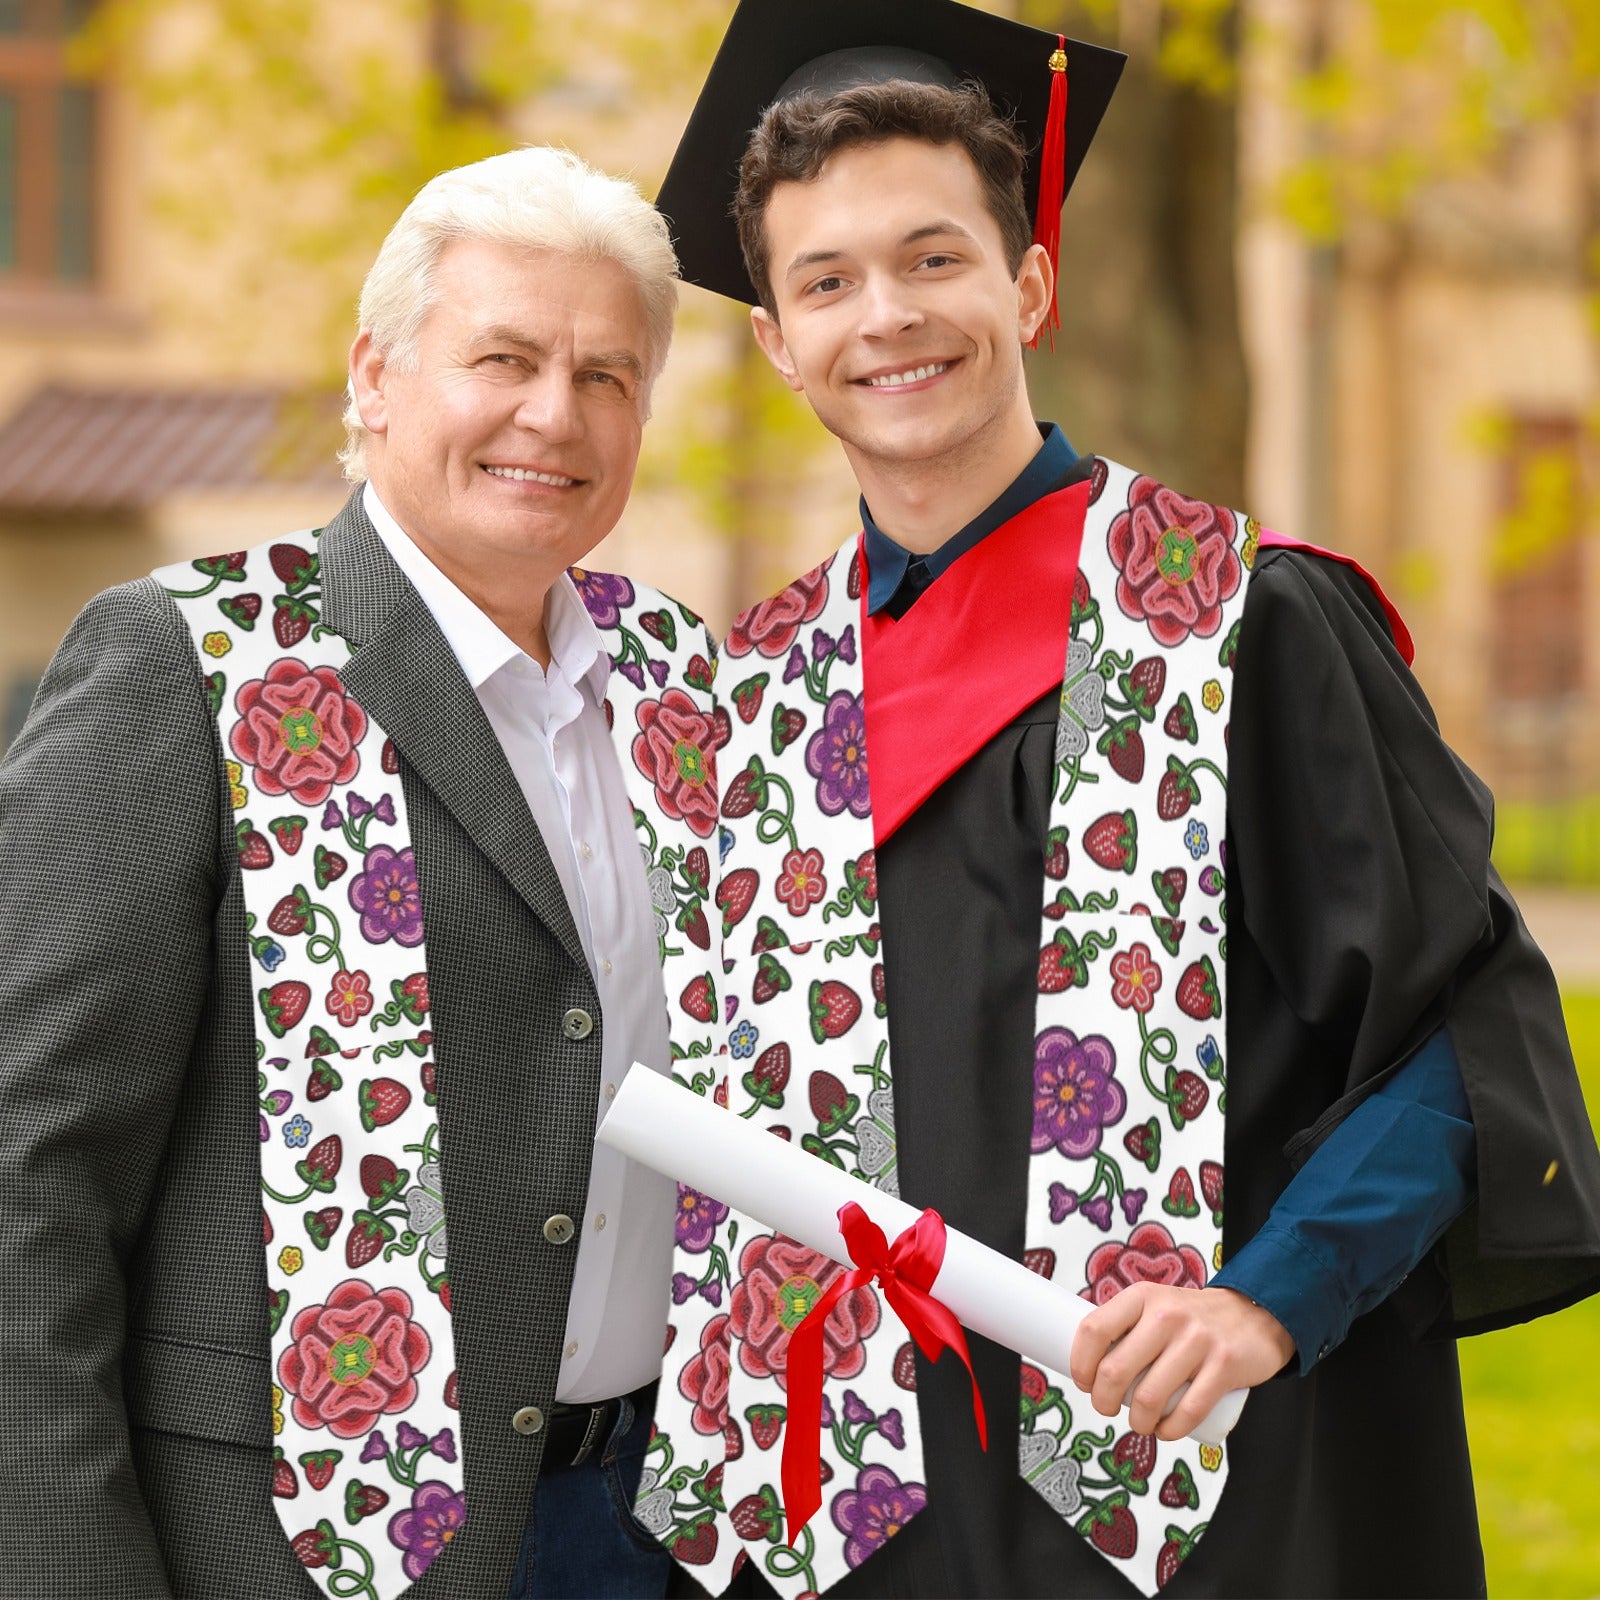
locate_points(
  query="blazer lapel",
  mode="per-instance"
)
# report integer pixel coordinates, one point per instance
(404, 674)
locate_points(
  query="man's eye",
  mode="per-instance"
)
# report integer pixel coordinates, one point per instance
(503, 357)
(606, 377)
(826, 285)
(938, 261)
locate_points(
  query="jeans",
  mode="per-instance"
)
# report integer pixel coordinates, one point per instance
(582, 1542)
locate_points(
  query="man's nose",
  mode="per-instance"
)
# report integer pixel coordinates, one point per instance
(549, 406)
(888, 307)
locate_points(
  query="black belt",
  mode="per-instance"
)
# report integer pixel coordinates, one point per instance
(573, 1433)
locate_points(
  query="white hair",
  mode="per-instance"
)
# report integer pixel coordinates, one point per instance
(537, 197)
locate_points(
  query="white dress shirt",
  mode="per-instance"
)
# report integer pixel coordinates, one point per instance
(553, 731)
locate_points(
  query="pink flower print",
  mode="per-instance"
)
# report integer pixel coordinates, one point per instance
(298, 730)
(1135, 978)
(354, 1359)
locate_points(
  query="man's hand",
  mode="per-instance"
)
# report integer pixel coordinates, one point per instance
(1212, 1339)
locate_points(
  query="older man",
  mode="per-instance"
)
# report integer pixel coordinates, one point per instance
(339, 877)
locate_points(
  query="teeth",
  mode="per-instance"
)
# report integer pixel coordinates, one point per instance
(518, 475)
(913, 375)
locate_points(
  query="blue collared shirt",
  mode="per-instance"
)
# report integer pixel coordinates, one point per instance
(1380, 1191)
(895, 574)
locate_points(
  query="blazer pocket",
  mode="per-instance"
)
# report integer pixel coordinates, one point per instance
(177, 1385)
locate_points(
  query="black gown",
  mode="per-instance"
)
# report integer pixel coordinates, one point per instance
(1363, 912)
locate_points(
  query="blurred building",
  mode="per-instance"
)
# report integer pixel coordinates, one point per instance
(1422, 394)
(1426, 396)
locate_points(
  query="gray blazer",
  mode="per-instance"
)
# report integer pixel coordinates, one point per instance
(135, 1379)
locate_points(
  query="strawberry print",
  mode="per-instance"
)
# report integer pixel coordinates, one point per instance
(1180, 723)
(1178, 1490)
(747, 696)
(290, 832)
(1145, 681)
(255, 853)
(735, 895)
(1123, 747)
(284, 1005)
(1136, 1453)
(834, 1009)
(285, 1485)
(699, 999)
(241, 610)
(1180, 1201)
(1177, 793)
(1198, 993)
(1115, 1533)
(318, 1466)
(1211, 1185)
(766, 1425)
(1112, 841)
(382, 1100)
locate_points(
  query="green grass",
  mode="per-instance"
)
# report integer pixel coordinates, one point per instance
(1533, 1416)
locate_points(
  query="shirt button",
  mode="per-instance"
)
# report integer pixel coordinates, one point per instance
(559, 1229)
(571, 1350)
(530, 1419)
(588, 850)
(605, 967)
(600, 1222)
(577, 1024)
(611, 1091)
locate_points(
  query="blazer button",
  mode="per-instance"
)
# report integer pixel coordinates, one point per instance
(560, 1229)
(577, 1024)
(530, 1419)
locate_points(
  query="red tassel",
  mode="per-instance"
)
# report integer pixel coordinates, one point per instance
(1052, 182)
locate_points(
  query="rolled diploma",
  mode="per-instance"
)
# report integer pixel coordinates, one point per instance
(670, 1129)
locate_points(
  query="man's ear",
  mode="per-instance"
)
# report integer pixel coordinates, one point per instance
(774, 347)
(367, 372)
(1036, 283)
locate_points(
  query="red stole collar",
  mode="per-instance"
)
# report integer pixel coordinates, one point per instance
(978, 647)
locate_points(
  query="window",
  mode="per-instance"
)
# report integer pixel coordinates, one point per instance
(47, 147)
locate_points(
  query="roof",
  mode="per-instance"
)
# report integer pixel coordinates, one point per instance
(70, 450)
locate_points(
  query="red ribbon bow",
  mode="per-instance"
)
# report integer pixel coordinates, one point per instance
(906, 1270)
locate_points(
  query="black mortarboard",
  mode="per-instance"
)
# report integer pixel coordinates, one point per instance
(777, 48)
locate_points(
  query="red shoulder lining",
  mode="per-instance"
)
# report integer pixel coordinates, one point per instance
(1397, 623)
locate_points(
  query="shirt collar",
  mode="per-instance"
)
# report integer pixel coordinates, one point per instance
(888, 562)
(478, 643)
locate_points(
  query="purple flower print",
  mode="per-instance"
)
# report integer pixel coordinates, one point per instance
(893, 1427)
(822, 645)
(1063, 1202)
(827, 1410)
(847, 644)
(376, 1447)
(683, 1288)
(697, 1219)
(795, 666)
(1075, 1097)
(443, 1444)
(711, 1292)
(856, 1409)
(837, 757)
(874, 1511)
(435, 1516)
(407, 1437)
(604, 595)
(332, 816)
(387, 896)
(358, 807)
(1098, 1212)
(633, 672)
(384, 810)
(660, 671)
(1132, 1204)
(279, 1101)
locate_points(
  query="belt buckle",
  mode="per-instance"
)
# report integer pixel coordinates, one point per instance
(590, 1435)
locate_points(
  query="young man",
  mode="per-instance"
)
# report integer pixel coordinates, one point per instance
(325, 939)
(1162, 872)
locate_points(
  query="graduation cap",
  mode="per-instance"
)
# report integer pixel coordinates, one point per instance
(775, 49)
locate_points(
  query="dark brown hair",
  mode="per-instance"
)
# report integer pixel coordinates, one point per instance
(796, 137)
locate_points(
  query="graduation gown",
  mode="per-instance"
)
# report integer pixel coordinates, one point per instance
(1363, 913)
